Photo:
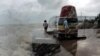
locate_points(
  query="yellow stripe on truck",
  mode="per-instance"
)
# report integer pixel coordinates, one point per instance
(60, 27)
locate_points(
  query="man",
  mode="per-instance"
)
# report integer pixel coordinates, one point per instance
(45, 25)
(65, 24)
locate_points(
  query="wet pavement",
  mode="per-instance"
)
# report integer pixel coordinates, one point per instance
(90, 46)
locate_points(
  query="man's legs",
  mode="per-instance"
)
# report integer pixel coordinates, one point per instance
(45, 28)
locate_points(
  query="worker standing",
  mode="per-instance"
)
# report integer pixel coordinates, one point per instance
(45, 25)
(66, 26)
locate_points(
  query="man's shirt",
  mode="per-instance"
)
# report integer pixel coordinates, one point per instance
(65, 24)
(45, 24)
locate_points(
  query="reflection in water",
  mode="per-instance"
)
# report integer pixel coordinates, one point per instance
(64, 48)
(67, 48)
(70, 46)
(45, 49)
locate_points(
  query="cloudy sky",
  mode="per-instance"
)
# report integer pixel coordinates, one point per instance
(30, 11)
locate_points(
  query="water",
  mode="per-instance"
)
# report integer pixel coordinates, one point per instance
(15, 39)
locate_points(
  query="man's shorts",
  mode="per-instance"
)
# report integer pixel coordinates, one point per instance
(45, 28)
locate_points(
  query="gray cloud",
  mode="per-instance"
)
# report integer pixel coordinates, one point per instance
(30, 11)
(27, 11)
(91, 9)
(50, 8)
(50, 4)
(94, 7)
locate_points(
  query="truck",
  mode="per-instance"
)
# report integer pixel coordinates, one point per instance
(68, 13)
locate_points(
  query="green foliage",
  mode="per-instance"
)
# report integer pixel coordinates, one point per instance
(98, 17)
(98, 20)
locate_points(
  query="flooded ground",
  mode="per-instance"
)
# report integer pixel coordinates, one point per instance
(90, 46)
(15, 40)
